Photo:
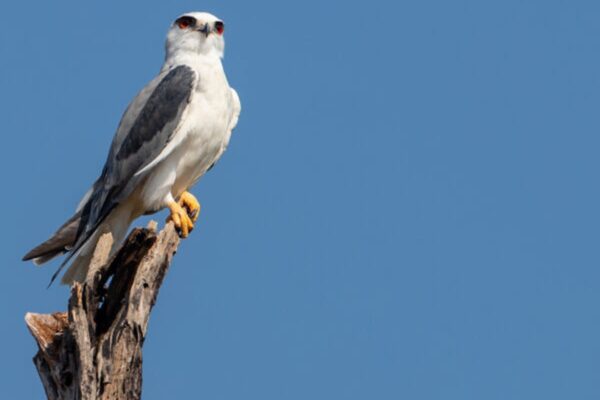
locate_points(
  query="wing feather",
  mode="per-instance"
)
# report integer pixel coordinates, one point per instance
(148, 125)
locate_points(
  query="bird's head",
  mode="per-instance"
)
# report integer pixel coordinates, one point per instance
(196, 33)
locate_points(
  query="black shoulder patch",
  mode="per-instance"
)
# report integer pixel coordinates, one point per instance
(163, 106)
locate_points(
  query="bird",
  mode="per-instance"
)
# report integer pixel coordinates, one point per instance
(172, 132)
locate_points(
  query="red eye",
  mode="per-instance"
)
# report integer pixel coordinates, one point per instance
(185, 22)
(219, 27)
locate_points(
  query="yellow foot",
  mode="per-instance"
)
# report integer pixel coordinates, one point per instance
(180, 218)
(190, 203)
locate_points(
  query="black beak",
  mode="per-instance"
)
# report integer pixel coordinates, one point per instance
(204, 29)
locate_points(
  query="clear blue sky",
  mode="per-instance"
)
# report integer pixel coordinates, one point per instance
(408, 208)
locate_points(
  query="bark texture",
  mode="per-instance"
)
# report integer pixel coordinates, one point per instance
(94, 350)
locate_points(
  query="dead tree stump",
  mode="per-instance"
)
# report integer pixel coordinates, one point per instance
(94, 350)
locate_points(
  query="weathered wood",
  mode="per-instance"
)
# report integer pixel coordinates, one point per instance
(94, 351)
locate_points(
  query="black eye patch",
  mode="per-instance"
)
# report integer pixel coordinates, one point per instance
(185, 22)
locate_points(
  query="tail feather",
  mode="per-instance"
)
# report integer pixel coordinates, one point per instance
(117, 223)
(59, 243)
(78, 268)
(44, 259)
(64, 241)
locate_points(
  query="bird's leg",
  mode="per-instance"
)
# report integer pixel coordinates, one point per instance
(191, 204)
(180, 218)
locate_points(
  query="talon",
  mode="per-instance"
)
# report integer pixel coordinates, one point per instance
(191, 204)
(181, 220)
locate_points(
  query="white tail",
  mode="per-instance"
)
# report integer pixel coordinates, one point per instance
(117, 223)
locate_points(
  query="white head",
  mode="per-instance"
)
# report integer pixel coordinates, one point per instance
(195, 33)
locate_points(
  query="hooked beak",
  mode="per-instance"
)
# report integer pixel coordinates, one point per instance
(204, 29)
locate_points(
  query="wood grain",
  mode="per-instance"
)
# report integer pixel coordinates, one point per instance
(94, 350)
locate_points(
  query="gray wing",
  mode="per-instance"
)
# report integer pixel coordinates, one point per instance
(145, 129)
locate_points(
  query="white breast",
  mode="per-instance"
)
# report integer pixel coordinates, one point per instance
(200, 140)
(207, 126)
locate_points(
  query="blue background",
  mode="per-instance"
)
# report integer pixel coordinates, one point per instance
(408, 207)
